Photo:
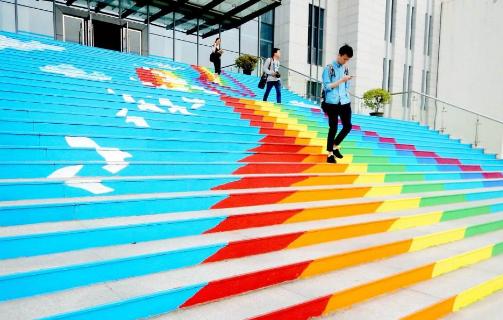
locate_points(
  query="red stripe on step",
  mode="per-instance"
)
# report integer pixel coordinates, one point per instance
(405, 146)
(260, 182)
(253, 220)
(278, 139)
(370, 133)
(492, 175)
(255, 199)
(265, 157)
(276, 132)
(235, 285)
(302, 311)
(274, 168)
(387, 140)
(251, 117)
(278, 148)
(260, 123)
(447, 161)
(254, 246)
(424, 154)
(470, 168)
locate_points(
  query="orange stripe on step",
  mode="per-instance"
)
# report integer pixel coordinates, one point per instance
(334, 212)
(317, 181)
(354, 258)
(330, 194)
(342, 232)
(366, 291)
(327, 168)
(315, 158)
(435, 311)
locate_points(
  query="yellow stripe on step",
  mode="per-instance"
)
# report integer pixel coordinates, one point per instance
(453, 263)
(384, 191)
(316, 142)
(357, 168)
(416, 221)
(479, 292)
(370, 178)
(307, 134)
(399, 204)
(434, 239)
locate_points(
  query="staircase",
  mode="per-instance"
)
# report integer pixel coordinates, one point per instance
(134, 187)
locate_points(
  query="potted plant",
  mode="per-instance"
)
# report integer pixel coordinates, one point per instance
(247, 63)
(375, 99)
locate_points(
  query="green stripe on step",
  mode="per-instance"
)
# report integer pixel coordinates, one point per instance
(404, 177)
(387, 168)
(423, 187)
(464, 213)
(367, 159)
(483, 228)
(498, 249)
(433, 201)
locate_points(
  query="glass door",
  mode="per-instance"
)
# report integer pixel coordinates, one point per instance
(73, 29)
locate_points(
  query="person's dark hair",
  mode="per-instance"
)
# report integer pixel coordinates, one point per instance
(274, 51)
(346, 50)
(218, 38)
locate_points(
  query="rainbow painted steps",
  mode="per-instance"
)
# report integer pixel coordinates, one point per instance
(95, 207)
(445, 295)
(236, 276)
(136, 186)
(43, 188)
(67, 276)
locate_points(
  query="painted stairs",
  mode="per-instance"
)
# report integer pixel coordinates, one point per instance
(136, 187)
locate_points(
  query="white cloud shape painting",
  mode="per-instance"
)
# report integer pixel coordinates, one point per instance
(69, 175)
(74, 72)
(33, 45)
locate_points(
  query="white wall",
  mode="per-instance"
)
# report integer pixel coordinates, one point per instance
(370, 47)
(471, 55)
(471, 69)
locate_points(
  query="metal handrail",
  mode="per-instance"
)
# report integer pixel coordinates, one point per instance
(448, 103)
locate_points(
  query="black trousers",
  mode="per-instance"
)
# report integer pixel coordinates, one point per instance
(217, 62)
(334, 112)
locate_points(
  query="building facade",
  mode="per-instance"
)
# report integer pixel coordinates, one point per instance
(399, 45)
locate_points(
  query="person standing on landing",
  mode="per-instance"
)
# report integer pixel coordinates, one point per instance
(216, 53)
(337, 103)
(271, 68)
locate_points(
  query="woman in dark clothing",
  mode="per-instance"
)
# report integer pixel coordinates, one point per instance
(216, 53)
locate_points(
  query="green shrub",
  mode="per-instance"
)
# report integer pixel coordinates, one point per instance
(375, 99)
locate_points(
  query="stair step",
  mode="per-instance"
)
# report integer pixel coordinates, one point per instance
(157, 289)
(212, 250)
(92, 207)
(440, 292)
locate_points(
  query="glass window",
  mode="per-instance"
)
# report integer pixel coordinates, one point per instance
(315, 35)
(266, 34)
(265, 48)
(430, 35)
(412, 28)
(134, 41)
(73, 29)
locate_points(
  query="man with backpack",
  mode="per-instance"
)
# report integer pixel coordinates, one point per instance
(336, 102)
(271, 69)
